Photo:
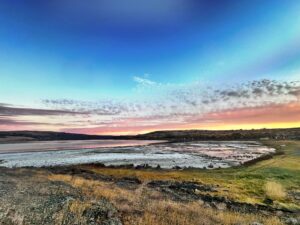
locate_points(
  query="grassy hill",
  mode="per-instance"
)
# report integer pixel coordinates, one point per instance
(19, 136)
(176, 135)
(188, 135)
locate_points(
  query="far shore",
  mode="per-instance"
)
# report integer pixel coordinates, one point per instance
(43, 146)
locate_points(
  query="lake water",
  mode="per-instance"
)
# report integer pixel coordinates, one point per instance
(200, 154)
(42, 146)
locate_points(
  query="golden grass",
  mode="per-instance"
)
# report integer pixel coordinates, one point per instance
(96, 189)
(169, 212)
(144, 206)
(275, 191)
(77, 208)
(245, 184)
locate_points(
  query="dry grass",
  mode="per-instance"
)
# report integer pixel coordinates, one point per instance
(96, 189)
(144, 206)
(275, 190)
(77, 208)
(244, 184)
(169, 212)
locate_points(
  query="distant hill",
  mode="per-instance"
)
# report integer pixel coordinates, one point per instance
(20, 136)
(175, 135)
(187, 135)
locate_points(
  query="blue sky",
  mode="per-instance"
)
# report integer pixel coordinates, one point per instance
(71, 49)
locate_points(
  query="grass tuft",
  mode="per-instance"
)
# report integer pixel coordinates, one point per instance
(275, 191)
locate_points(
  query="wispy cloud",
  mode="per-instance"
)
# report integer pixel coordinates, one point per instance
(153, 105)
(9, 110)
(15, 118)
(102, 107)
(144, 81)
(16, 122)
(156, 99)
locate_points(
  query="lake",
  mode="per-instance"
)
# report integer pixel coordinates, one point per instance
(197, 154)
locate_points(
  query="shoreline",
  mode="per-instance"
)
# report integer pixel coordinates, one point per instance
(148, 154)
(69, 148)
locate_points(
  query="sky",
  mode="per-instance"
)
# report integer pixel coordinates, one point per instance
(136, 66)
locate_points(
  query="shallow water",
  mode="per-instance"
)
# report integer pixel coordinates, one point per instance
(215, 154)
(40, 146)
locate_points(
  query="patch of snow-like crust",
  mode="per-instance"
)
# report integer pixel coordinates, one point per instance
(199, 154)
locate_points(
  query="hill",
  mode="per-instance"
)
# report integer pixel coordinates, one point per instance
(175, 135)
(20, 136)
(189, 135)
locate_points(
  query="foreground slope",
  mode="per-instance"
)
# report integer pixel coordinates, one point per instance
(266, 192)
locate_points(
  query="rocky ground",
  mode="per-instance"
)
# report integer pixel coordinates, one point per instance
(186, 191)
(28, 196)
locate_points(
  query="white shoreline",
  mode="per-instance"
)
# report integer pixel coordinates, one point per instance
(44, 146)
(200, 154)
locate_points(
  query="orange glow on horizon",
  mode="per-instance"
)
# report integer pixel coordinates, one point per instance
(216, 128)
(270, 116)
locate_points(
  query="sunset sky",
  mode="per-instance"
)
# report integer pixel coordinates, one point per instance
(134, 66)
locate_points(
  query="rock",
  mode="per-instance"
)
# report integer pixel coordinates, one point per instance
(292, 221)
(207, 205)
(86, 174)
(220, 206)
(143, 166)
(102, 213)
(256, 223)
(268, 201)
(265, 212)
(128, 182)
(177, 168)
(295, 195)
(279, 213)
(181, 190)
(201, 202)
